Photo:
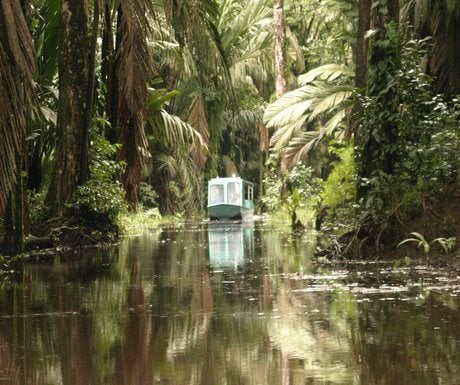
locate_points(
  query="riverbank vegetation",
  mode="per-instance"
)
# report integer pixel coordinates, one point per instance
(345, 115)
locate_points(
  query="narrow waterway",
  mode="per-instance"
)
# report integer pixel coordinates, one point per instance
(217, 304)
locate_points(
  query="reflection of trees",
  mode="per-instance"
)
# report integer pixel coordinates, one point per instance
(62, 322)
(76, 351)
(186, 282)
(310, 336)
(408, 343)
(311, 329)
(8, 362)
(133, 354)
(156, 313)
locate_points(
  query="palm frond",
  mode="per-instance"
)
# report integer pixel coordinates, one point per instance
(133, 72)
(170, 129)
(327, 72)
(302, 146)
(336, 120)
(295, 51)
(238, 20)
(283, 135)
(320, 102)
(247, 38)
(291, 107)
(246, 119)
(179, 133)
(197, 119)
(328, 99)
(46, 41)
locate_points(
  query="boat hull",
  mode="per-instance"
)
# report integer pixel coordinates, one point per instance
(228, 211)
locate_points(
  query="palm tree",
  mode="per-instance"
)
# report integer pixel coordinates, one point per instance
(16, 91)
(133, 72)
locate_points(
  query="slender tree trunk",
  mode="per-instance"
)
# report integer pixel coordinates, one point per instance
(280, 48)
(19, 209)
(364, 22)
(73, 83)
(108, 73)
(361, 59)
(84, 170)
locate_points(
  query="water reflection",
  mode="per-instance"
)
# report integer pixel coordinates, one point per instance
(204, 304)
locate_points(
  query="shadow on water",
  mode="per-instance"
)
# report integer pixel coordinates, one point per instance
(226, 303)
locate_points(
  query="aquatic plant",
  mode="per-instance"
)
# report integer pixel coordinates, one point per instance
(447, 244)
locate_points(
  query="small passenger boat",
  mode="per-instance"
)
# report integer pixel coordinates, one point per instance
(230, 198)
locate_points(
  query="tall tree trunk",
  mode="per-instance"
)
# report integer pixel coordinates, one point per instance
(17, 63)
(364, 22)
(108, 72)
(361, 53)
(84, 170)
(71, 122)
(280, 48)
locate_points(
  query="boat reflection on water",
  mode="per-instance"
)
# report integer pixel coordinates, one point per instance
(230, 244)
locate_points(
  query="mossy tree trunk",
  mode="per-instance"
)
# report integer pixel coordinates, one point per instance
(17, 65)
(72, 124)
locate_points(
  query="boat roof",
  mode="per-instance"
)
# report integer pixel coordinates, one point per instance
(227, 180)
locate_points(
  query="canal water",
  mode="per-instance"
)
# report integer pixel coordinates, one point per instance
(218, 304)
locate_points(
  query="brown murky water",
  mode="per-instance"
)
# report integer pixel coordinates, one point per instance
(226, 304)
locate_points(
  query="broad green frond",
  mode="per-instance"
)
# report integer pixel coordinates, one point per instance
(291, 107)
(321, 102)
(237, 21)
(330, 99)
(327, 72)
(158, 98)
(246, 118)
(180, 133)
(174, 130)
(283, 135)
(334, 122)
(302, 146)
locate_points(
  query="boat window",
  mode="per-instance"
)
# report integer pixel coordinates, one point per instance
(233, 193)
(248, 194)
(217, 193)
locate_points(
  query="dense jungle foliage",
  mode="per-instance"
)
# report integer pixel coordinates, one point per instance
(348, 109)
